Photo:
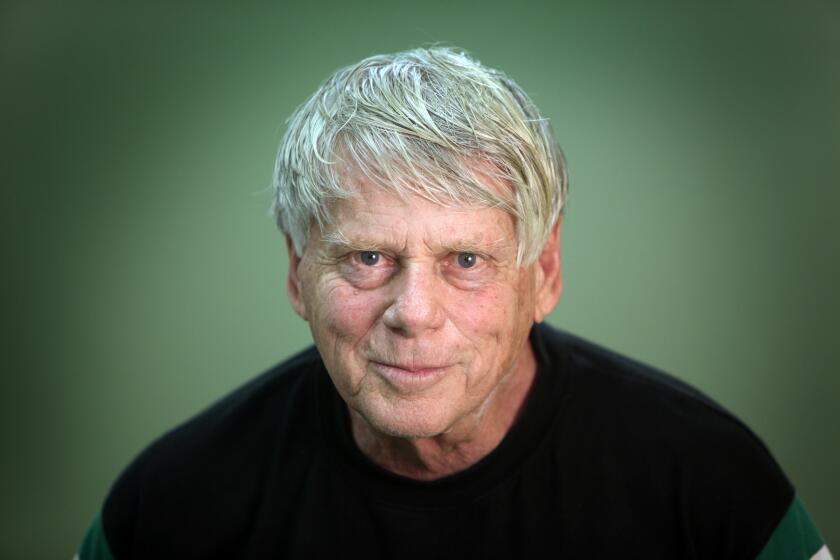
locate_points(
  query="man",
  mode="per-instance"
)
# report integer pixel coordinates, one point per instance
(421, 197)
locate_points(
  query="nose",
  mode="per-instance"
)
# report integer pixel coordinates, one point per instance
(415, 306)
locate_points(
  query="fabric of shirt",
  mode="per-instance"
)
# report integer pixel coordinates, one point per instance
(608, 458)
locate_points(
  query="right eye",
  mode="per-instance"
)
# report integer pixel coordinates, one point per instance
(367, 269)
(467, 260)
(369, 258)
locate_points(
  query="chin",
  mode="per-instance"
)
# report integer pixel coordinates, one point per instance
(408, 421)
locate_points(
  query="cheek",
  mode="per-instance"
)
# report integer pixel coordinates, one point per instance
(487, 314)
(342, 317)
(344, 311)
(496, 322)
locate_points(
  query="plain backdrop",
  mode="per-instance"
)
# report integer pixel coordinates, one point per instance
(143, 279)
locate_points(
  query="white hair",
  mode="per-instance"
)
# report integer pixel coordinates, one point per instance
(431, 122)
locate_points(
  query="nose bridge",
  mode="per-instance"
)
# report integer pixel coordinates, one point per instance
(415, 304)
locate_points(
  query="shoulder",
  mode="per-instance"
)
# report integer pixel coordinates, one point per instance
(667, 442)
(625, 394)
(211, 466)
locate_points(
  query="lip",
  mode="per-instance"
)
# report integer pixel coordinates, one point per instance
(412, 378)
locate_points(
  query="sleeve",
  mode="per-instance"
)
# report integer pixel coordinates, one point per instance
(795, 537)
(95, 546)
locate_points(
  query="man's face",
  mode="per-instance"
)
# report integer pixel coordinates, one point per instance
(419, 311)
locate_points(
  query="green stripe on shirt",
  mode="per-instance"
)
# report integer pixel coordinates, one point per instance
(95, 545)
(795, 537)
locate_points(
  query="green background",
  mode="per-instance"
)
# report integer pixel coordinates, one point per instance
(143, 279)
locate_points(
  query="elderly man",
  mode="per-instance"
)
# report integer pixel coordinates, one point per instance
(421, 197)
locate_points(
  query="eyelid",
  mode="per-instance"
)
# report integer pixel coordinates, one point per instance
(477, 253)
(480, 260)
(356, 255)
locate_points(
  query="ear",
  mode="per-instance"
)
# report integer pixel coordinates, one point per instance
(549, 276)
(293, 281)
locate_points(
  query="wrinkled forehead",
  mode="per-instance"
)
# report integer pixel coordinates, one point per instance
(453, 181)
(375, 219)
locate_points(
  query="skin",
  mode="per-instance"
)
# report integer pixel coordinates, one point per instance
(422, 316)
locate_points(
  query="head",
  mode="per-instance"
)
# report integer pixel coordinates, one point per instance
(421, 195)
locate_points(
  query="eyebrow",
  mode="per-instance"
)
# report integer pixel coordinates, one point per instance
(469, 246)
(336, 240)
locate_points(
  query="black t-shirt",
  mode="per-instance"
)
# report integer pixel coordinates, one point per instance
(609, 458)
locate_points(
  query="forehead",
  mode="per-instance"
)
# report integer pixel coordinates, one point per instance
(374, 215)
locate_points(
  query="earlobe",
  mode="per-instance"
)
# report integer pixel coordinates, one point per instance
(549, 276)
(293, 285)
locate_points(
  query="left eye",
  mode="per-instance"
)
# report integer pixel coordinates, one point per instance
(467, 260)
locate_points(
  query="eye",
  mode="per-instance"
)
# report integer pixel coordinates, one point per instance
(369, 258)
(467, 260)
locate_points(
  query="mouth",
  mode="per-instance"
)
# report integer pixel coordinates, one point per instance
(409, 377)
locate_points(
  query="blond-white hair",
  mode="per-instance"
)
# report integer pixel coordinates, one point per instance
(431, 122)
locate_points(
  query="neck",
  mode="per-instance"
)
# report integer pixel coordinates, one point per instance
(466, 443)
